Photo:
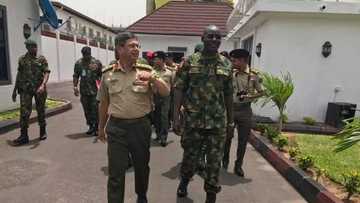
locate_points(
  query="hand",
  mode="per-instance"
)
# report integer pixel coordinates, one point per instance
(102, 135)
(177, 126)
(76, 91)
(144, 76)
(14, 95)
(41, 89)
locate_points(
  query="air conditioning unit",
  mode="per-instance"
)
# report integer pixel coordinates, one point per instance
(339, 111)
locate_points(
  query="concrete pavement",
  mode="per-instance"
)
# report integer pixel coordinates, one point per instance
(72, 167)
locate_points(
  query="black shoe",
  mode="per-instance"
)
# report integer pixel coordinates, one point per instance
(91, 130)
(43, 134)
(239, 171)
(182, 188)
(21, 140)
(210, 197)
(163, 142)
(225, 164)
(141, 199)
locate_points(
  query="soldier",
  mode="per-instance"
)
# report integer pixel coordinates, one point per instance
(204, 87)
(173, 67)
(246, 88)
(32, 76)
(125, 95)
(162, 103)
(88, 69)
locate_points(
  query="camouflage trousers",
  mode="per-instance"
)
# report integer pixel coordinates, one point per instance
(90, 106)
(161, 116)
(26, 108)
(192, 142)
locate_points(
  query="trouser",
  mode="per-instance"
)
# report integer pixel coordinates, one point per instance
(192, 141)
(90, 106)
(161, 116)
(243, 121)
(26, 108)
(124, 137)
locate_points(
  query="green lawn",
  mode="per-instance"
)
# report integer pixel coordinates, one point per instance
(14, 114)
(336, 164)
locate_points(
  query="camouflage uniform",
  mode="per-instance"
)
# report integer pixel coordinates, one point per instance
(88, 72)
(204, 81)
(29, 78)
(162, 107)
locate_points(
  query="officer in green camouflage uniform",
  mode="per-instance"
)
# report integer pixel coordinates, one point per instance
(32, 76)
(88, 69)
(204, 87)
(162, 103)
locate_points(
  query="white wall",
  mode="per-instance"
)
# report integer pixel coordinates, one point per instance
(62, 59)
(294, 45)
(18, 13)
(162, 42)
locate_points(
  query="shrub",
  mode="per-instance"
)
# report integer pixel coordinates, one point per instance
(320, 172)
(306, 162)
(261, 127)
(282, 141)
(285, 118)
(309, 121)
(293, 152)
(272, 133)
(351, 183)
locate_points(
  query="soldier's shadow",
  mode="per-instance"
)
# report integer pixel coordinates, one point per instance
(184, 200)
(76, 136)
(34, 143)
(231, 179)
(173, 173)
(157, 144)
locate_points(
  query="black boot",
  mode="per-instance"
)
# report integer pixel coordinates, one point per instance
(239, 171)
(43, 134)
(94, 133)
(182, 188)
(210, 197)
(225, 164)
(22, 139)
(141, 199)
(90, 130)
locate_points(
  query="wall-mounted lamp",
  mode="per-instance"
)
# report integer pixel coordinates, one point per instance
(26, 31)
(326, 49)
(258, 49)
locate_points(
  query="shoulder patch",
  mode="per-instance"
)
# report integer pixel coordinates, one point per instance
(143, 66)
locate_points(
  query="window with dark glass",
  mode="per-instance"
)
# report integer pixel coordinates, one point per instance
(4, 52)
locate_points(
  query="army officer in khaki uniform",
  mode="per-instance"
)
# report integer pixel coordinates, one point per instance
(125, 95)
(247, 87)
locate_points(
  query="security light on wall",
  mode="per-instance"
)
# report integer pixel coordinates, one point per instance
(258, 50)
(326, 49)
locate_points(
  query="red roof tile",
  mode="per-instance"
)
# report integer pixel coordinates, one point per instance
(183, 18)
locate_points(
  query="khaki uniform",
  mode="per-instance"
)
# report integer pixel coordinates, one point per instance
(250, 83)
(128, 128)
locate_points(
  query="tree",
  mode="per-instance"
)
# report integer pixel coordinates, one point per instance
(349, 136)
(278, 90)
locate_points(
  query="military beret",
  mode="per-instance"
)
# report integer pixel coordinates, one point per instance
(149, 54)
(199, 47)
(239, 53)
(85, 50)
(29, 42)
(159, 54)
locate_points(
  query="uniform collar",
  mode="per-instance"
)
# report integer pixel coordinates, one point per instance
(118, 67)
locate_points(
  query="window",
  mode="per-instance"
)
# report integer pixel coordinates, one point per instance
(69, 26)
(91, 33)
(248, 45)
(111, 40)
(4, 51)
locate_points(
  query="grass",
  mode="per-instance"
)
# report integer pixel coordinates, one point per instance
(15, 113)
(322, 149)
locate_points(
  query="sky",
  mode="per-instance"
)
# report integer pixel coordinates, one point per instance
(110, 12)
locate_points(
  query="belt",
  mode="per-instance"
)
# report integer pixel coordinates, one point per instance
(241, 106)
(129, 121)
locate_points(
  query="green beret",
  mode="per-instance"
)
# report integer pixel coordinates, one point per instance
(30, 42)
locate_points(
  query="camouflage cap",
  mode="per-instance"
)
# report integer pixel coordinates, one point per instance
(30, 42)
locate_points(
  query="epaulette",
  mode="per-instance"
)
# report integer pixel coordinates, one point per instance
(143, 66)
(108, 68)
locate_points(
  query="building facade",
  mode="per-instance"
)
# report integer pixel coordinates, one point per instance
(291, 36)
